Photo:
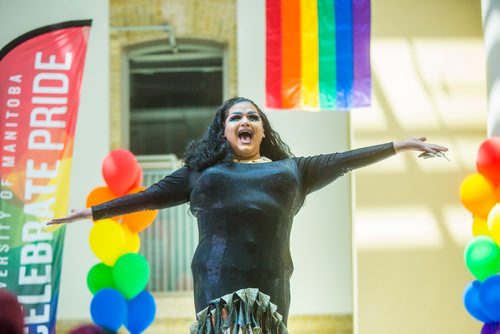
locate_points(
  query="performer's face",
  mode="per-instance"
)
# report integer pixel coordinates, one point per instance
(244, 130)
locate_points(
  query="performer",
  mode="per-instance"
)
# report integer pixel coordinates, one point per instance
(244, 187)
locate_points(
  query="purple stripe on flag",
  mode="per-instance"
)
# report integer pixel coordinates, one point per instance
(361, 21)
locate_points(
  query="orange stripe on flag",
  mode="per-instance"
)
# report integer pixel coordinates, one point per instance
(291, 63)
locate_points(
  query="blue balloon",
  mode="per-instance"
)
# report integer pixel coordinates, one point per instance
(108, 309)
(141, 312)
(472, 303)
(489, 297)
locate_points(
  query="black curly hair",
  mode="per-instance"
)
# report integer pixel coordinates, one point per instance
(213, 148)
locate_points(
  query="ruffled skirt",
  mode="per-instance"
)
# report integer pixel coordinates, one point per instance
(246, 311)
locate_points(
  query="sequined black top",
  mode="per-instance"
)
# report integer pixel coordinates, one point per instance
(245, 213)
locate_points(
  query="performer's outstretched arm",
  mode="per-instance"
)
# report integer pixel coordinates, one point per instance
(170, 191)
(75, 215)
(319, 171)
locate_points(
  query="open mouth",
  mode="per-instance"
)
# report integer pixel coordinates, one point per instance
(245, 136)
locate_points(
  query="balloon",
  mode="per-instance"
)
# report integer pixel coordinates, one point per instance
(472, 304)
(138, 180)
(488, 159)
(491, 328)
(482, 257)
(120, 170)
(494, 228)
(477, 194)
(131, 274)
(141, 312)
(100, 195)
(107, 240)
(138, 221)
(489, 297)
(132, 240)
(495, 210)
(99, 277)
(108, 309)
(480, 227)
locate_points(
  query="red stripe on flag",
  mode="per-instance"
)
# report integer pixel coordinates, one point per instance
(273, 54)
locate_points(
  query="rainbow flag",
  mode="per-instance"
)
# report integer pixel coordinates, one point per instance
(318, 54)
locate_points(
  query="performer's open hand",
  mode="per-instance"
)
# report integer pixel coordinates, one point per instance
(75, 215)
(418, 144)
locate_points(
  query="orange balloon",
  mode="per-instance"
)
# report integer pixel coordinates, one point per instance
(497, 193)
(100, 195)
(477, 194)
(138, 221)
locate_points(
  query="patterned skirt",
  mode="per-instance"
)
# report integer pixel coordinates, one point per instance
(246, 311)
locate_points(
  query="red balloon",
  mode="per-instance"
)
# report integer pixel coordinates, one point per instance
(488, 159)
(138, 181)
(120, 170)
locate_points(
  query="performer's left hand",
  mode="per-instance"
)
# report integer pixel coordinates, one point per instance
(418, 144)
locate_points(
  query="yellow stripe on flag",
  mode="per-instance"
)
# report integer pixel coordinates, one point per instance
(310, 54)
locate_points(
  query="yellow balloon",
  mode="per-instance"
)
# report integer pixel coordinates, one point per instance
(480, 227)
(132, 240)
(494, 227)
(477, 194)
(107, 240)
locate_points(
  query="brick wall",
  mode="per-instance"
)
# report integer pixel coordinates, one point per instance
(213, 20)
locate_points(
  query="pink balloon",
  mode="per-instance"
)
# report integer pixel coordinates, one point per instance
(120, 171)
(488, 159)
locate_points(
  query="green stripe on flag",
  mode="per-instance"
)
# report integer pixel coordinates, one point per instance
(327, 54)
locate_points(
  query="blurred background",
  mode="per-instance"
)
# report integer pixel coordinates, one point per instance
(381, 250)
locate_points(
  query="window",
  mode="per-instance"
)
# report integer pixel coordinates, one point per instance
(174, 91)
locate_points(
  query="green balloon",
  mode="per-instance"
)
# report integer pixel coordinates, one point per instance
(482, 257)
(99, 277)
(131, 274)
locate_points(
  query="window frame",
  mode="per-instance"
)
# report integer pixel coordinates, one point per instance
(155, 45)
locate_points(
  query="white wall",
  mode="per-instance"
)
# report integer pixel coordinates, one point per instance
(92, 131)
(321, 237)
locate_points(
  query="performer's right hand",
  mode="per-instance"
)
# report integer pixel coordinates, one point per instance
(75, 215)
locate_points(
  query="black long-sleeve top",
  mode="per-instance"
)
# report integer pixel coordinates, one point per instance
(244, 213)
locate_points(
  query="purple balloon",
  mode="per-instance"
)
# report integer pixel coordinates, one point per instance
(491, 328)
